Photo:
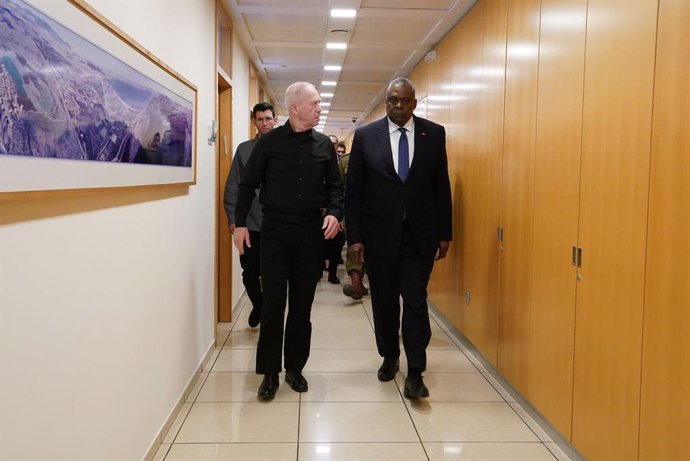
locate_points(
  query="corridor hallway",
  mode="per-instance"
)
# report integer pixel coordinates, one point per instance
(347, 414)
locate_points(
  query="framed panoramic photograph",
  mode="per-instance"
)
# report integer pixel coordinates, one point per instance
(84, 107)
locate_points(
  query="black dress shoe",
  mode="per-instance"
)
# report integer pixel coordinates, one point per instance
(296, 381)
(269, 386)
(334, 280)
(415, 388)
(388, 369)
(254, 317)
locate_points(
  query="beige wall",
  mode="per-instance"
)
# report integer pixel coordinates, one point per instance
(240, 128)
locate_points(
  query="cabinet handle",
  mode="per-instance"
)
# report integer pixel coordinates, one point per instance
(579, 258)
(574, 256)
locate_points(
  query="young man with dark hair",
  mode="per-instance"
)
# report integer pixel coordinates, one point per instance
(264, 119)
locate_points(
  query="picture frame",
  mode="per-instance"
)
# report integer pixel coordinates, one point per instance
(84, 107)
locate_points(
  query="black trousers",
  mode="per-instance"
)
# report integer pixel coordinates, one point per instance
(291, 261)
(251, 269)
(334, 251)
(390, 277)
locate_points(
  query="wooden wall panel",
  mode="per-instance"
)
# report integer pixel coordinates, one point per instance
(480, 81)
(619, 75)
(665, 412)
(556, 208)
(467, 41)
(517, 191)
(438, 107)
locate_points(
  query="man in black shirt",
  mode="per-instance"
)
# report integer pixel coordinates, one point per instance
(298, 175)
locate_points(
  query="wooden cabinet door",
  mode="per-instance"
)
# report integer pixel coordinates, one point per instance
(517, 191)
(617, 113)
(556, 209)
(665, 412)
(481, 79)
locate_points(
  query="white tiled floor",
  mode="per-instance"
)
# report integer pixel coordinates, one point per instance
(347, 414)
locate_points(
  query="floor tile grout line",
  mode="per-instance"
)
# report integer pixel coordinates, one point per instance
(409, 414)
(184, 420)
(555, 455)
(299, 422)
(167, 452)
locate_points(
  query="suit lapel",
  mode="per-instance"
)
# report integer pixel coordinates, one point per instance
(421, 138)
(384, 140)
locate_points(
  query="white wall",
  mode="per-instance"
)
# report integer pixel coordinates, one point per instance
(106, 300)
(240, 130)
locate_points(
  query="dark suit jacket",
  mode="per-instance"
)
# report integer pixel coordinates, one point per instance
(376, 199)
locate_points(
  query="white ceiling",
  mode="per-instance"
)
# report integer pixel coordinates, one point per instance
(286, 41)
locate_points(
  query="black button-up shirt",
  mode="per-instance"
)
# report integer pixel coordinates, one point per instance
(297, 172)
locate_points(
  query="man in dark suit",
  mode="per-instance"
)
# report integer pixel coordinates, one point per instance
(399, 219)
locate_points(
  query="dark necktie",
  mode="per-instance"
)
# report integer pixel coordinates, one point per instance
(403, 156)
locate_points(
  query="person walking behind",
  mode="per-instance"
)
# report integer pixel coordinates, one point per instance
(298, 174)
(399, 217)
(264, 120)
(355, 289)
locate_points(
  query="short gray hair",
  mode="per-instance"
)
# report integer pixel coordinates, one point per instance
(295, 91)
(400, 81)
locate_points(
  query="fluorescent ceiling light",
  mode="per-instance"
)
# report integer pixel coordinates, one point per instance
(326, 95)
(341, 13)
(332, 67)
(329, 83)
(336, 46)
(326, 104)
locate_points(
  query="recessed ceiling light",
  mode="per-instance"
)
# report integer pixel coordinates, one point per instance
(336, 46)
(342, 13)
(326, 95)
(332, 67)
(329, 83)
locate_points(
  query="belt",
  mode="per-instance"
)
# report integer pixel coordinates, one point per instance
(292, 218)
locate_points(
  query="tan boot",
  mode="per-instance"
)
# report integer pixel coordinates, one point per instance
(354, 291)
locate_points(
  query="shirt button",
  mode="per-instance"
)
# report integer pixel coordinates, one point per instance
(299, 195)
(299, 179)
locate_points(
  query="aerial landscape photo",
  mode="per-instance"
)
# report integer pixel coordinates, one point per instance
(63, 97)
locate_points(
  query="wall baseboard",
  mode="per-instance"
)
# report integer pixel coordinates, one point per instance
(174, 413)
(172, 416)
(557, 441)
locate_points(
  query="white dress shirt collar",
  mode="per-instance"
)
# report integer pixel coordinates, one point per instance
(392, 127)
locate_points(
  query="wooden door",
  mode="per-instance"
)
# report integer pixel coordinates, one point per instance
(556, 209)
(225, 152)
(617, 113)
(665, 412)
(517, 191)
